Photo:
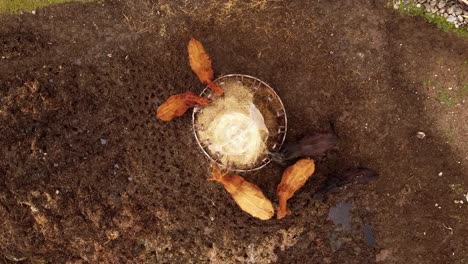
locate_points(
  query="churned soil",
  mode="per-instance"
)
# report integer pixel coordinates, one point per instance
(89, 175)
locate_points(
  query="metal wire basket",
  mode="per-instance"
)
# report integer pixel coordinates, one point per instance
(270, 106)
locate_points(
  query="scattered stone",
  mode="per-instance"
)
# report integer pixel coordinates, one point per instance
(440, 174)
(451, 19)
(103, 141)
(421, 135)
(450, 10)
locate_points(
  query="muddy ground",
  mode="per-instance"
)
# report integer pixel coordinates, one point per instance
(89, 175)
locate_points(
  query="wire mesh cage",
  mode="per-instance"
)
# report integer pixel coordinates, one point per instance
(241, 129)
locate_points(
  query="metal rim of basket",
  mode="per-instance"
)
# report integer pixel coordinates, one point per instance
(267, 159)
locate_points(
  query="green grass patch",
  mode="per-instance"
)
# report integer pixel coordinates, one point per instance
(15, 6)
(448, 97)
(411, 10)
(465, 89)
(440, 21)
(445, 98)
(451, 98)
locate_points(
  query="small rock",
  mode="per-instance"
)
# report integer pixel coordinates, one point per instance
(357, 250)
(450, 10)
(427, 6)
(440, 174)
(441, 4)
(383, 255)
(442, 10)
(451, 19)
(433, 3)
(457, 11)
(460, 18)
(421, 135)
(112, 234)
(33, 12)
(434, 9)
(103, 141)
(207, 230)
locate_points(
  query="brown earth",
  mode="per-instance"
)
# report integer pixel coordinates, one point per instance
(89, 175)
